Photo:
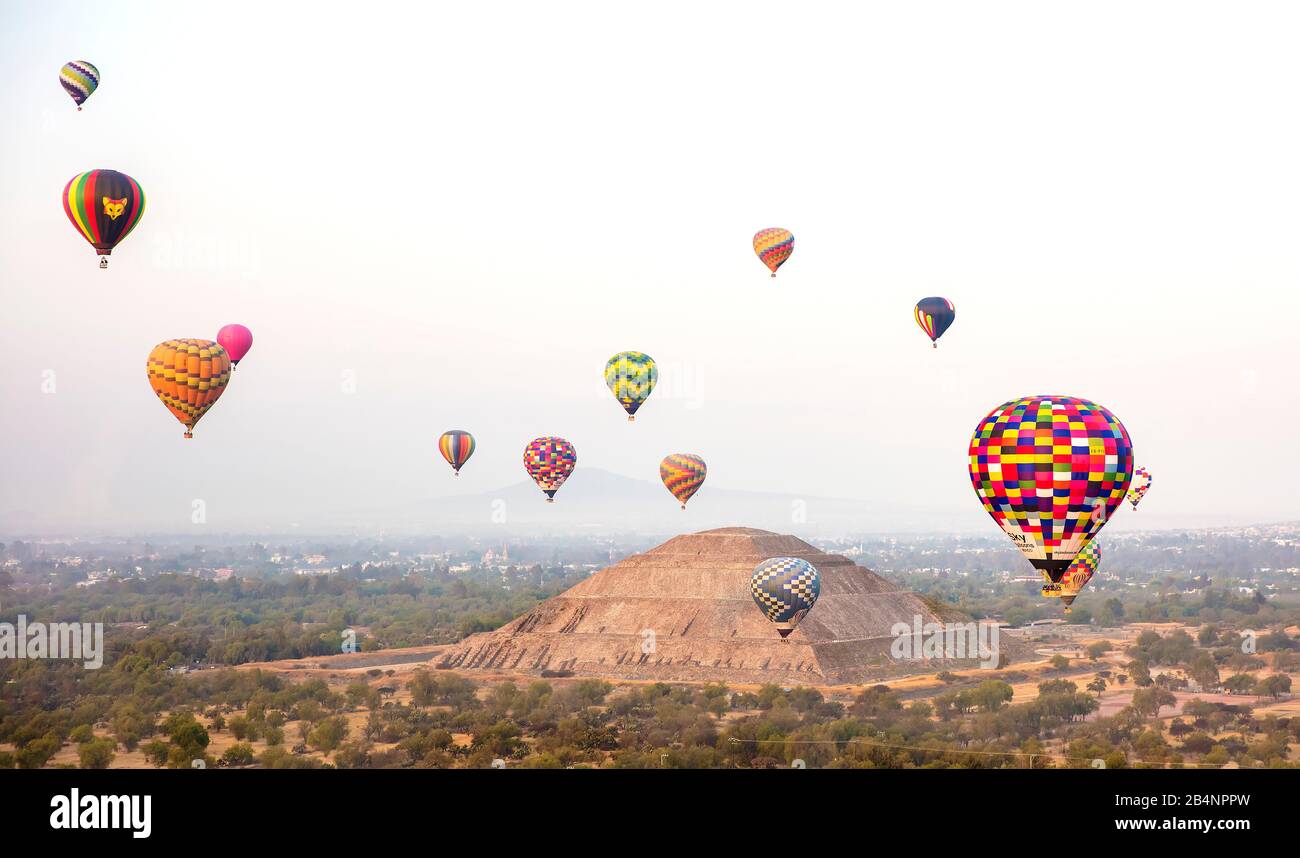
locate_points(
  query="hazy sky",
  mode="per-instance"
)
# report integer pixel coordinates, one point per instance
(465, 209)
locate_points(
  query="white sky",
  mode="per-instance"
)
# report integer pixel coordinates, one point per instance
(471, 206)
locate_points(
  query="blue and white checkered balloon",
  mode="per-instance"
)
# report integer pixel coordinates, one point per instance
(785, 589)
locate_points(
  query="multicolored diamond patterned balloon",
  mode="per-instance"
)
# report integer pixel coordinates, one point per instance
(631, 377)
(1141, 482)
(773, 246)
(549, 461)
(1050, 470)
(683, 474)
(1079, 573)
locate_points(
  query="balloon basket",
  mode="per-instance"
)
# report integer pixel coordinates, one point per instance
(773, 275)
(189, 434)
(550, 500)
(631, 418)
(683, 506)
(103, 262)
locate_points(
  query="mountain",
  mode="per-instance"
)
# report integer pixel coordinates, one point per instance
(593, 498)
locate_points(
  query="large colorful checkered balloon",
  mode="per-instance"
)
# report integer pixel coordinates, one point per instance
(549, 461)
(1080, 573)
(785, 589)
(683, 474)
(189, 377)
(1141, 482)
(1050, 470)
(774, 246)
(631, 376)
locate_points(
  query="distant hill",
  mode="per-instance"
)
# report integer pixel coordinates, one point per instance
(596, 499)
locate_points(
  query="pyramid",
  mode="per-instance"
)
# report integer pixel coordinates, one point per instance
(683, 612)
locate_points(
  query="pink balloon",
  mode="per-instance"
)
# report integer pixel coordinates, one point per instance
(236, 340)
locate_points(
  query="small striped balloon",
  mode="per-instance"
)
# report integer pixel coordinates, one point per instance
(934, 315)
(103, 206)
(79, 79)
(456, 447)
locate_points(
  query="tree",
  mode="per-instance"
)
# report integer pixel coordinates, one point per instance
(97, 753)
(155, 752)
(1097, 649)
(990, 694)
(238, 754)
(1239, 683)
(1149, 701)
(1273, 686)
(1059, 662)
(329, 734)
(1205, 671)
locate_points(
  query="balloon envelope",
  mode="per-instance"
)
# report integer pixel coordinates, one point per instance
(1080, 572)
(1050, 470)
(104, 206)
(456, 447)
(549, 461)
(683, 474)
(1138, 490)
(79, 79)
(785, 589)
(934, 315)
(631, 377)
(773, 246)
(189, 376)
(236, 340)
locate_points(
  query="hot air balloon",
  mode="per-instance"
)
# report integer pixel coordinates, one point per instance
(1050, 470)
(104, 206)
(79, 79)
(1141, 482)
(1079, 574)
(631, 376)
(785, 589)
(549, 461)
(683, 474)
(236, 340)
(456, 447)
(774, 246)
(189, 376)
(934, 315)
